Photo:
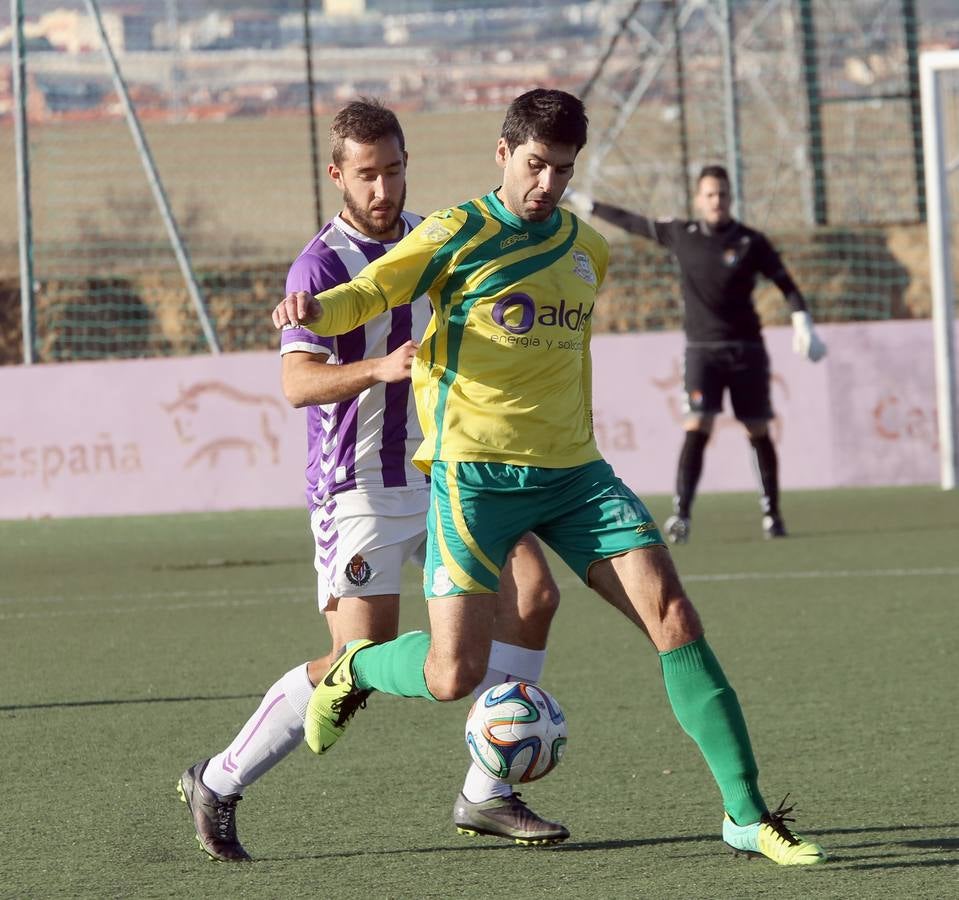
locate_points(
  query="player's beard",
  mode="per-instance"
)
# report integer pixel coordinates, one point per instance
(366, 223)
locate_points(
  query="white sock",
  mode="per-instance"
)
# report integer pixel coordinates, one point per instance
(507, 662)
(272, 732)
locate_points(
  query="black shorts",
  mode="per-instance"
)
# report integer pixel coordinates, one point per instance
(743, 368)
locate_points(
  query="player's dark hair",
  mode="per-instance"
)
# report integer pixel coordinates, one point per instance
(713, 172)
(548, 116)
(365, 121)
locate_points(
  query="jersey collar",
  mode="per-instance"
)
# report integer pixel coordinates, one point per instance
(728, 228)
(342, 225)
(540, 229)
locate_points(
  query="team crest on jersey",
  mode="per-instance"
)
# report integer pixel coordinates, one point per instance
(732, 255)
(583, 267)
(358, 571)
(442, 583)
(433, 231)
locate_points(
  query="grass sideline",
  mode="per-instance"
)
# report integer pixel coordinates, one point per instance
(129, 648)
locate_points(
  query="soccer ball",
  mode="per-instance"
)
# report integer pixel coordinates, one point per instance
(516, 732)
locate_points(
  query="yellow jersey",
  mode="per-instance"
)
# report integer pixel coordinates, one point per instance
(503, 372)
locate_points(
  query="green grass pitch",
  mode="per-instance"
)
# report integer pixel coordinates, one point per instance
(131, 648)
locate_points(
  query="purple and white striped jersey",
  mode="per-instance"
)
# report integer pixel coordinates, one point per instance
(367, 442)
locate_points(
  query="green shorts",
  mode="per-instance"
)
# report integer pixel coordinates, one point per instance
(478, 511)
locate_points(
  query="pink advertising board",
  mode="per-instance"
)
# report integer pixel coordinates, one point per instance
(148, 436)
(215, 433)
(865, 415)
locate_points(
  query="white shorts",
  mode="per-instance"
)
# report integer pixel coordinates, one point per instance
(363, 539)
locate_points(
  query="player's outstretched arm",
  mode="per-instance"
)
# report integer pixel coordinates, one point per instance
(297, 308)
(633, 222)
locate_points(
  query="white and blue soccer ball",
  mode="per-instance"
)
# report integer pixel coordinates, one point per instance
(516, 732)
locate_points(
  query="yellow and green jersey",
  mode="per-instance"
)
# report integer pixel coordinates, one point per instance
(503, 372)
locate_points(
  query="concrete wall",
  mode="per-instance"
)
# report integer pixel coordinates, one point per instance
(204, 433)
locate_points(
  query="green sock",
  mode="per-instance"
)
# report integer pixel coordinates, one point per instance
(708, 710)
(395, 667)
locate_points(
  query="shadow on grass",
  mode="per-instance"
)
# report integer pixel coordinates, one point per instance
(907, 864)
(76, 704)
(499, 845)
(886, 855)
(839, 859)
(223, 564)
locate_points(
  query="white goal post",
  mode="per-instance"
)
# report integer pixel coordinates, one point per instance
(934, 68)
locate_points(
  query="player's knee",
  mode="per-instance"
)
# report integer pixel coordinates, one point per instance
(699, 425)
(680, 621)
(757, 429)
(456, 680)
(542, 602)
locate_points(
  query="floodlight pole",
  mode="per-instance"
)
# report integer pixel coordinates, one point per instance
(731, 106)
(24, 212)
(681, 101)
(311, 115)
(153, 177)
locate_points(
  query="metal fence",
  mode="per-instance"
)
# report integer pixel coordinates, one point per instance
(811, 102)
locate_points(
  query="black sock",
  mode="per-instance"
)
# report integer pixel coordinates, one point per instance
(689, 470)
(768, 467)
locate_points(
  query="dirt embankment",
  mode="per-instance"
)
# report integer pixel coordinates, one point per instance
(847, 274)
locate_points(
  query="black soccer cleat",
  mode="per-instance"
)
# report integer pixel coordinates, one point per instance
(773, 527)
(214, 817)
(506, 817)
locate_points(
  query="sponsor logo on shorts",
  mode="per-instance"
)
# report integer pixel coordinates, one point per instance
(358, 571)
(442, 583)
(645, 527)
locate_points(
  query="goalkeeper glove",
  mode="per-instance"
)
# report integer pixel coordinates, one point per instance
(805, 340)
(578, 202)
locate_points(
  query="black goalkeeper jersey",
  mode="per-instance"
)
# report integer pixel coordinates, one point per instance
(718, 268)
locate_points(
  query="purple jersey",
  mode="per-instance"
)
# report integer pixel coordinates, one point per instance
(367, 442)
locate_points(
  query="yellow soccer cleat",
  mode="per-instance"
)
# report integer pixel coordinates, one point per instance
(771, 838)
(334, 701)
